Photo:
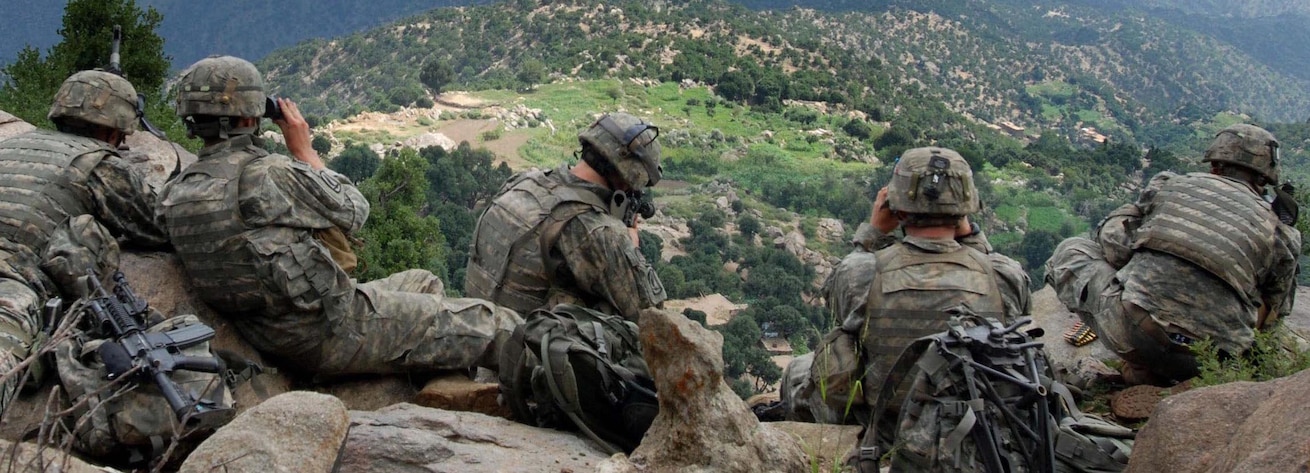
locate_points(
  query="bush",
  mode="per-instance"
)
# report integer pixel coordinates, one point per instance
(491, 135)
(1273, 355)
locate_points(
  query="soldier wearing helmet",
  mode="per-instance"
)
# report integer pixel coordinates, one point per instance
(66, 200)
(894, 289)
(569, 235)
(248, 226)
(1199, 255)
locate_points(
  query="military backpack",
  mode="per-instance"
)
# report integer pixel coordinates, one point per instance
(981, 398)
(575, 368)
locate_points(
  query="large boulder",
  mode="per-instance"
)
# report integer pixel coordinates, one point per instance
(406, 437)
(702, 425)
(299, 431)
(32, 458)
(1235, 427)
(12, 126)
(1073, 365)
(157, 159)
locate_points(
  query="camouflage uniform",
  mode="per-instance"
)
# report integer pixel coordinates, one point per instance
(63, 201)
(243, 222)
(916, 268)
(1149, 290)
(548, 238)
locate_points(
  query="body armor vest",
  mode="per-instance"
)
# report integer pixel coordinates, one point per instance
(205, 225)
(1213, 222)
(510, 262)
(909, 297)
(43, 177)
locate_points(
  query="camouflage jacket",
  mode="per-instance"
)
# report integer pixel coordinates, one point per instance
(114, 192)
(279, 202)
(1178, 293)
(593, 261)
(847, 289)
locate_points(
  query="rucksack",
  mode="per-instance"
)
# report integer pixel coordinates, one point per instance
(570, 367)
(981, 398)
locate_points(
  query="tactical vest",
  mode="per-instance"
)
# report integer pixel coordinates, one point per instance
(43, 177)
(909, 297)
(205, 225)
(510, 262)
(1213, 222)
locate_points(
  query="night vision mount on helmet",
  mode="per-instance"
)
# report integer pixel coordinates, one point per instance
(932, 181)
(624, 149)
(220, 89)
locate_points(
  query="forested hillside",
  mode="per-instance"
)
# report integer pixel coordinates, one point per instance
(1064, 69)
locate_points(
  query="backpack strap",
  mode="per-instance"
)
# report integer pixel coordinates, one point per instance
(555, 354)
(869, 451)
(515, 377)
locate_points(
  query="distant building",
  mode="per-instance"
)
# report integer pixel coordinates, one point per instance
(776, 346)
(1014, 130)
(1090, 134)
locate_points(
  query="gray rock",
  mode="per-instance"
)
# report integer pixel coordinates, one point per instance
(702, 425)
(156, 158)
(1073, 365)
(1235, 427)
(30, 458)
(410, 438)
(12, 126)
(299, 431)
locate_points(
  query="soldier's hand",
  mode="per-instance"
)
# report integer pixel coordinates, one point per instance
(883, 219)
(296, 131)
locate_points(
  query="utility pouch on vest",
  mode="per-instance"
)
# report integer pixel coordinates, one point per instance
(339, 245)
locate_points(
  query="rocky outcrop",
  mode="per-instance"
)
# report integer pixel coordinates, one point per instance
(12, 126)
(298, 431)
(158, 159)
(31, 458)
(458, 393)
(406, 437)
(830, 230)
(1076, 366)
(1235, 427)
(702, 425)
(428, 140)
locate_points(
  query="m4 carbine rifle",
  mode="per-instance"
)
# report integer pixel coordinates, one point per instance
(154, 356)
(633, 203)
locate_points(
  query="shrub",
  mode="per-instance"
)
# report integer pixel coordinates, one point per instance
(1273, 355)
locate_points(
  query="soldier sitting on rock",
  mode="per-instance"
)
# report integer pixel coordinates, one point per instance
(569, 235)
(254, 231)
(1199, 255)
(66, 200)
(891, 291)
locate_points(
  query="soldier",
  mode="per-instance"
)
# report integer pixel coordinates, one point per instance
(569, 235)
(889, 291)
(65, 199)
(245, 222)
(1199, 255)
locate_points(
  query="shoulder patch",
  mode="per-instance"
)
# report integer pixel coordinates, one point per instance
(330, 180)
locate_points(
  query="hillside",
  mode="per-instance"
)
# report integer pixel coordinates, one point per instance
(1063, 68)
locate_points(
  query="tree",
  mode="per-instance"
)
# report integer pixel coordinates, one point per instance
(857, 129)
(531, 72)
(87, 32)
(321, 144)
(396, 236)
(736, 86)
(357, 162)
(436, 74)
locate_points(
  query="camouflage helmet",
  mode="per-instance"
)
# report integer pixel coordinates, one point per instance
(1248, 146)
(628, 146)
(222, 86)
(932, 181)
(99, 98)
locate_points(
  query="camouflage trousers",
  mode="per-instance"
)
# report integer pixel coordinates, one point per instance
(28, 280)
(803, 399)
(398, 324)
(1089, 286)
